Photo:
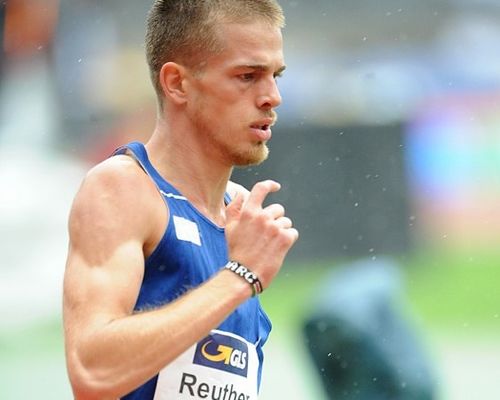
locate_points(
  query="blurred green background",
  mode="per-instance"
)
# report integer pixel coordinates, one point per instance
(388, 145)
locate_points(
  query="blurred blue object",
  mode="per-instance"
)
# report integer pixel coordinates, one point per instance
(360, 338)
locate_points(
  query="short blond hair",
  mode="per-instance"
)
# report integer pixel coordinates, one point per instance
(183, 31)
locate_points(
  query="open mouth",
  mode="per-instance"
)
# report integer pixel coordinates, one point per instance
(262, 127)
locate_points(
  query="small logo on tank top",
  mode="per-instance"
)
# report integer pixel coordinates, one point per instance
(224, 353)
(186, 230)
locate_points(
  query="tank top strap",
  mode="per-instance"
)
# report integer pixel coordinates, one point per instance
(139, 153)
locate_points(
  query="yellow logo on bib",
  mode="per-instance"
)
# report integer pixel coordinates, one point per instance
(233, 357)
(223, 352)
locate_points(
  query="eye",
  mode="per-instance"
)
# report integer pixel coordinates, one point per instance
(247, 77)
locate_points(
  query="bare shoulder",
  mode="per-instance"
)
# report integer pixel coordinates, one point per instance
(116, 182)
(234, 188)
(115, 198)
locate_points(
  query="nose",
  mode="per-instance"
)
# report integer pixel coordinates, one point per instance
(270, 97)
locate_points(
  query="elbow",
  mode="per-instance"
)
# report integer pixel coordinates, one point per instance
(91, 384)
(86, 388)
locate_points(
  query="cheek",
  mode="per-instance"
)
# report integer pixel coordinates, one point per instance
(223, 108)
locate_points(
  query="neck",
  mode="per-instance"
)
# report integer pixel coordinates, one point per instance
(188, 165)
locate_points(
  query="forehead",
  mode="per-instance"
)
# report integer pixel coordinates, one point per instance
(256, 43)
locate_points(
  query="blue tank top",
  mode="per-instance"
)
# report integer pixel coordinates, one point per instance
(191, 250)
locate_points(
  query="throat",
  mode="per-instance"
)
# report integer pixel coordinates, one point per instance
(216, 214)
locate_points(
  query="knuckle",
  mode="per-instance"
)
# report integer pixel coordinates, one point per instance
(262, 217)
(246, 213)
(273, 230)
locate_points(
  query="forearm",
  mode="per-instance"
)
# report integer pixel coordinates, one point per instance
(124, 353)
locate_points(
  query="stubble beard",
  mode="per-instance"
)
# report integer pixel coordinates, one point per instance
(255, 155)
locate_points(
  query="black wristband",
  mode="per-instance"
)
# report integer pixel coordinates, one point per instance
(247, 275)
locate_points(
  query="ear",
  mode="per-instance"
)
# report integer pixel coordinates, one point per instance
(171, 78)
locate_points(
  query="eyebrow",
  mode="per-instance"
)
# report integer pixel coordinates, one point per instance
(262, 68)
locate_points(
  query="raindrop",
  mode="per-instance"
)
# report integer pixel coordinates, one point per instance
(356, 204)
(329, 354)
(365, 38)
(79, 60)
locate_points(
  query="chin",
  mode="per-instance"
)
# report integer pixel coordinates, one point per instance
(254, 156)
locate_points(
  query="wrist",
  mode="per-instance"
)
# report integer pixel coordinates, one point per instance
(246, 275)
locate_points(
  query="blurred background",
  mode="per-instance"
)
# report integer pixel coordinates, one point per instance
(388, 149)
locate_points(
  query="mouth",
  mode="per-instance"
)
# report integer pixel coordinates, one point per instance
(262, 132)
(263, 127)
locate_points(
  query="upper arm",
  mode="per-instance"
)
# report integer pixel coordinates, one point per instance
(108, 232)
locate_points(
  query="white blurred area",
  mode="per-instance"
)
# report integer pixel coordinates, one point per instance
(36, 187)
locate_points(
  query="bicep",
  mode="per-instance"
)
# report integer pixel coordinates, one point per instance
(95, 294)
(105, 261)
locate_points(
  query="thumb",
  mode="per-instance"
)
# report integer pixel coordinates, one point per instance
(233, 209)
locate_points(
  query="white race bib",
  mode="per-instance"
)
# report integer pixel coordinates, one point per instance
(222, 366)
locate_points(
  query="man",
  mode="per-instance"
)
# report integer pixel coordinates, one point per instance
(165, 252)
